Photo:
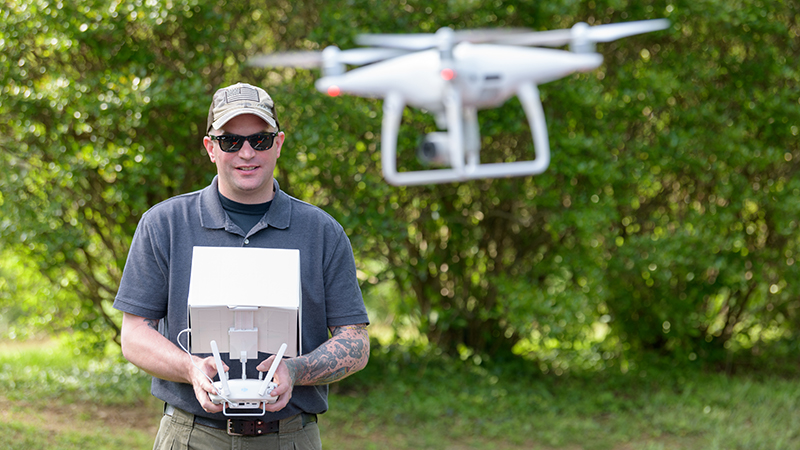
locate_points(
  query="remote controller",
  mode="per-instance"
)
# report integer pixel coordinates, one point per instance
(244, 393)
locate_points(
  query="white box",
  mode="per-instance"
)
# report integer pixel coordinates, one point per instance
(245, 299)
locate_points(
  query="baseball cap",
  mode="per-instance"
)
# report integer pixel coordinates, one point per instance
(238, 99)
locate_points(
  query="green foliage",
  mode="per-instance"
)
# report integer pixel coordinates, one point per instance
(665, 224)
(706, 235)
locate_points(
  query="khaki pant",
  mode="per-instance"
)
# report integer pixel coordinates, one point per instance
(179, 432)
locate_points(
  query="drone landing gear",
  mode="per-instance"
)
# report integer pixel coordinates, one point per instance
(459, 147)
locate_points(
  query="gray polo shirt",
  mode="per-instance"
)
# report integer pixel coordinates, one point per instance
(155, 282)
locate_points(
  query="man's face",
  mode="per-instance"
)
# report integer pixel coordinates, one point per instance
(245, 176)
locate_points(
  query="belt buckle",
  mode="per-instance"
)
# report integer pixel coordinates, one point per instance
(230, 429)
(241, 428)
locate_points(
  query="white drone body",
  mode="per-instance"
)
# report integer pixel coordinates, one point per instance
(453, 75)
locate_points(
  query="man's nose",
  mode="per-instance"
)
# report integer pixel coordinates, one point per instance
(247, 151)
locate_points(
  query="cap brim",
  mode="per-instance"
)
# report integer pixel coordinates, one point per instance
(219, 123)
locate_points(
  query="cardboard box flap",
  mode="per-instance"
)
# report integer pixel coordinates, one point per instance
(234, 291)
(245, 277)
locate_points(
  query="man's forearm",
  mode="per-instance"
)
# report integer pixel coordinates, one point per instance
(345, 353)
(146, 348)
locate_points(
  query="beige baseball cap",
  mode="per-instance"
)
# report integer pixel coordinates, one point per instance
(238, 99)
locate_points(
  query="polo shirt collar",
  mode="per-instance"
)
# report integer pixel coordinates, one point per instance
(213, 216)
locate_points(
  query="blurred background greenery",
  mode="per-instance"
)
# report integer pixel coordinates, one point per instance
(664, 233)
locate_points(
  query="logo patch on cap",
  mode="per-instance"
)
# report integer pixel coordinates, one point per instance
(241, 93)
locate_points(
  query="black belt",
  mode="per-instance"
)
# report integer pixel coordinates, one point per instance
(242, 427)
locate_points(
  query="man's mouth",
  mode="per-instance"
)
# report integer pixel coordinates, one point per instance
(247, 168)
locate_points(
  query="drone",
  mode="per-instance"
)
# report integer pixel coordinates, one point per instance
(453, 75)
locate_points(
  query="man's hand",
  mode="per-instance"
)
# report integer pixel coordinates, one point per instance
(201, 384)
(285, 384)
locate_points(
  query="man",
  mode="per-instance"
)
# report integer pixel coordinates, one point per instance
(242, 207)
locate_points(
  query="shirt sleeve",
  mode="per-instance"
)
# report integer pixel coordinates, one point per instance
(144, 287)
(345, 303)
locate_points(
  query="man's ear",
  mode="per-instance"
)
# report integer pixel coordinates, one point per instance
(209, 145)
(279, 139)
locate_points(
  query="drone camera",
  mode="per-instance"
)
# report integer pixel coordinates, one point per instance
(435, 149)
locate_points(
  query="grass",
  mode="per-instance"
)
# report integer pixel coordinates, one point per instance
(518, 407)
(57, 400)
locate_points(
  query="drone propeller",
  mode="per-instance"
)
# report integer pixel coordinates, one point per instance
(331, 58)
(303, 60)
(581, 36)
(424, 41)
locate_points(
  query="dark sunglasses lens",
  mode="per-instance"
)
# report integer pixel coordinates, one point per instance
(229, 143)
(261, 141)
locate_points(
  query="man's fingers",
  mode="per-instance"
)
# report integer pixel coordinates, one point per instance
(279, 404)
(201, 392)
(265, 364)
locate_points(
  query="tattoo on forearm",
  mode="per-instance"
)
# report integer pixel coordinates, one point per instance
(346, 352)
(340, 330)
(152, 323)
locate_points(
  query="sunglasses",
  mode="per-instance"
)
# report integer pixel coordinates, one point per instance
(230, 143)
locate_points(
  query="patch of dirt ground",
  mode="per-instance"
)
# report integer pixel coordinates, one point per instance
(144, 417)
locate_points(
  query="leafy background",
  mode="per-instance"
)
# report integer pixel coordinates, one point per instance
(665, 228)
